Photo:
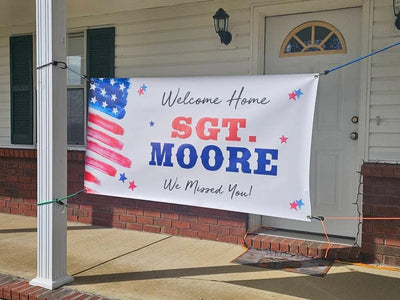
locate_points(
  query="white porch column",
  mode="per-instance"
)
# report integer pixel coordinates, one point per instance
(52, 144)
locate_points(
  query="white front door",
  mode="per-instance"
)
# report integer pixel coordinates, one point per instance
(334, 178)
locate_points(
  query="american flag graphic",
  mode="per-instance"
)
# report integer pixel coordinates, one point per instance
(104, 148)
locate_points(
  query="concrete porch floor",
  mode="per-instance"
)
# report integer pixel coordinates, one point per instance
(124, 264)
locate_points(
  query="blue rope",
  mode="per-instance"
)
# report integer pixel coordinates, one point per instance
(358, 59)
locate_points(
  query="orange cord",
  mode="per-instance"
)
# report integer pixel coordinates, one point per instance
(327, 238)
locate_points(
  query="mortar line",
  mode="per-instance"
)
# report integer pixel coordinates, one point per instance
(119, 256)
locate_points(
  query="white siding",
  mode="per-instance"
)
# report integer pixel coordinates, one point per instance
(384, 109)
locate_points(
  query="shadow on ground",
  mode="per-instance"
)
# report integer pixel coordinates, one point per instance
(346, 285)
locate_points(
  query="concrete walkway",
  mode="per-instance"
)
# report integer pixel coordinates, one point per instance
(123, 264)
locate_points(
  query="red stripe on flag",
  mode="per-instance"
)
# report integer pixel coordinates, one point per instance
(109, 154)
(90, 191)
(100, 166)
(91, 178)
(106, 124)
(104, 138)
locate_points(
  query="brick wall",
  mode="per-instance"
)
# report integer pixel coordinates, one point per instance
(381, 238)
(18, 196)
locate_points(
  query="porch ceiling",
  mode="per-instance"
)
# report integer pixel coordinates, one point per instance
(19, 12)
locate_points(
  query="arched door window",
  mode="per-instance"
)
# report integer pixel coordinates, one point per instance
(313, 38)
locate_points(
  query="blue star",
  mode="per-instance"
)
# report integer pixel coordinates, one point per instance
(299, 93)
(143, 87)
(299, 203)
(151, 123)
(122, 177)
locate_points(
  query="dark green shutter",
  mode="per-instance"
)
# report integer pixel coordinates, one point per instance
(100, 52)
(21, 89)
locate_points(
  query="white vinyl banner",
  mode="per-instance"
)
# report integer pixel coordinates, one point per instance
(239, 143)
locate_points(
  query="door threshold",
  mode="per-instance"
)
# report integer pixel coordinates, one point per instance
(307, 236)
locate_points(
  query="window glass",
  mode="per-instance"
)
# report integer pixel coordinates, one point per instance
(76, 120)
(313, 38)
(75, 89)
(75, 51)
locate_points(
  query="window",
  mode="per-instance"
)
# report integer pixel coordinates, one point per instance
(313, 38)
(96, 61)
(76, 89)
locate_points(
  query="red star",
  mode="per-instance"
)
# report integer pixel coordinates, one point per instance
(292, 95)
(141, 91)
(293, 205)
(283, 139)
(132, 185)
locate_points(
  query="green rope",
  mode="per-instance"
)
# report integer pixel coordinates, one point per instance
(59, 200)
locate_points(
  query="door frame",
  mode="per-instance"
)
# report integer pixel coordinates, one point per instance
(261, 11)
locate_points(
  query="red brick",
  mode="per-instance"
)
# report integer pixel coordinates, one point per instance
(187, 232)
(145, 220)
(295, 246)
(387, 170)
(148, 205)
(7, 289)
(208, 220)
(81, 213)
(171, 231)
(151, 228)
(170, 215)
(247, 242)
(207, 235)
(199, 226)
(2, 203)
(227, 239)
(117, 224)
(189, 218)
(232, 223)
(256, 241)
(86, 207)
(133, 211)
(266, 242)
(6, 210)
(86, 220)
(219, 229)
(128, 218)
(70, 218)
(152, 213)
(373, 239)
(162, 206)
(133, 226)
(392, 241)
(391, 260)
(276, 244)
(26, 293)
(284, 245)
(119, 210)
(163, 222)
(12, 204)
(313, 249)
(180, 224)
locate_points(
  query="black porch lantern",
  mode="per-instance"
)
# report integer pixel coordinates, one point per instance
(221, 22)
(396, 11)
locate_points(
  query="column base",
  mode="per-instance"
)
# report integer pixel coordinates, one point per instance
(51, 284)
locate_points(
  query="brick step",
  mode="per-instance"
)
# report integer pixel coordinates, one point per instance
(16, 288)
(303, 247)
